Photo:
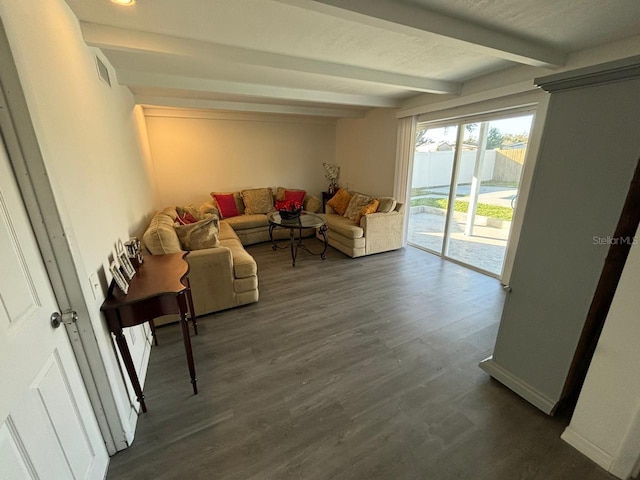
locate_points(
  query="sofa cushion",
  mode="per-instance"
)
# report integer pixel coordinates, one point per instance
(199, 235)
(387, 204)
(371, 207)
(312, 204)
(243, 264)
(294, 196)
(343, 226)
(247, 221)
(280, 192)
(210, 207)
(186, 219)
(237, 198)
(357, 203)
(226, 205)
(160, 237)
(340, 201)
(189, 214)
(226, 232)
(258, 200)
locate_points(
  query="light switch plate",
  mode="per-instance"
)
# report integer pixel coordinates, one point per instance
(95, 285)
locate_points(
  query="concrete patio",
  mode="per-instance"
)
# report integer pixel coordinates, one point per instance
(485, 249)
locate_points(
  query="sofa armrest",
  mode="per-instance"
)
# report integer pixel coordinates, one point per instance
(211, 278)
(382, 231)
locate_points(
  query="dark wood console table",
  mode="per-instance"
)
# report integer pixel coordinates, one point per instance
(160, 287)
(326, 196)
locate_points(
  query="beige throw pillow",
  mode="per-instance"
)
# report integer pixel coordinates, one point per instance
(387, 204)
(357, 203)
(258, 200)
(199, 235)
(160, 237)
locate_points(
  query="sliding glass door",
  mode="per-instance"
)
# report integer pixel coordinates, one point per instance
(433, 164)
(465, 183)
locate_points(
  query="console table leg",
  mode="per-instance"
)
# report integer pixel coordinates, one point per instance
(192, 311)
(131, 370)
(182, 304)
(153, 332)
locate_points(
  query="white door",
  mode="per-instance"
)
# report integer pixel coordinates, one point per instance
(47, 426)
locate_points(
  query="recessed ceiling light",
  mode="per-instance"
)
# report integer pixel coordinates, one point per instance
(124, 2)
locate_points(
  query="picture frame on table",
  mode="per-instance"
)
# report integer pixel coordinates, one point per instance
(118, 277)
(134, 250)
(125, 263)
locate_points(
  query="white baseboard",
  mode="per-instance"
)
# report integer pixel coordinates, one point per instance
(587, 448)
(520, 387)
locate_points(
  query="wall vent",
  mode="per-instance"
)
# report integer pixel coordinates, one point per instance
(103, 72)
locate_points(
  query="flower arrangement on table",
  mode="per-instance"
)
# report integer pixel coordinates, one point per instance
(333, 172)
(289, 209)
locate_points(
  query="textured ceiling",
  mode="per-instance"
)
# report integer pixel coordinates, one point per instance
(336, 52)
(568, 24)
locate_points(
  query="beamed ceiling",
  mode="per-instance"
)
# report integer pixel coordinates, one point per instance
(335, 57)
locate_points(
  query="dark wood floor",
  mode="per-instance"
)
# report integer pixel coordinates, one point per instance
(346, 369)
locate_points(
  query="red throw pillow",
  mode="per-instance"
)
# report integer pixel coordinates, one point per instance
(227, 205)
(296, 196)
(187, 219)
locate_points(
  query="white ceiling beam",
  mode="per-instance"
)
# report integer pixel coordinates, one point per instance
(192, 103)
(411, 19)
(133, 78)
(113, 38)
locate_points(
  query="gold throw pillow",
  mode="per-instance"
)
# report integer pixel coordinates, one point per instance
(340, 201)
(370, 208)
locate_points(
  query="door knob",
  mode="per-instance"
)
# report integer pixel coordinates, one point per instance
(58, 318)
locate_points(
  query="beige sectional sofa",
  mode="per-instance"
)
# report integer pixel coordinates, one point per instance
(221, 277)
(225, 275)
(374, 233)
(253, 228)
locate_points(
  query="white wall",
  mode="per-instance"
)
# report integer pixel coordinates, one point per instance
(606, 422)
(92, 142)
(366, 151)
(195, 153)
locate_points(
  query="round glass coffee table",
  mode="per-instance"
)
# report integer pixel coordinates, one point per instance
(304, 221)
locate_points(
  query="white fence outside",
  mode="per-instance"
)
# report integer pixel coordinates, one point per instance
(433, 169)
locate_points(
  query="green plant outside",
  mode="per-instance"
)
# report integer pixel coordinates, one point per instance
(484, 209)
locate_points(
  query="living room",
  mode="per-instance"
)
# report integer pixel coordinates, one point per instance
(111, 162)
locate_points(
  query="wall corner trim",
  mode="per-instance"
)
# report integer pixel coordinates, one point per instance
(587, 448)
(520, 387)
